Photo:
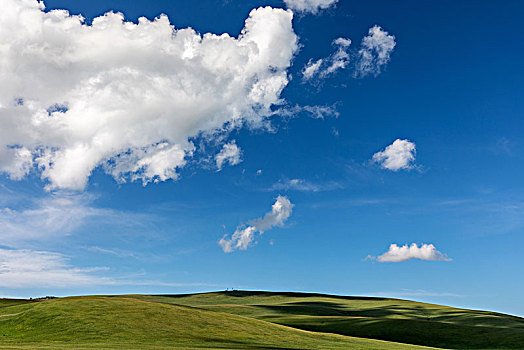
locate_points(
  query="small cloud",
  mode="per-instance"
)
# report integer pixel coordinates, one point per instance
(230, 153)
(316, 111)
(309, 6)
(303, 186)
(403, 253)
(321, 112)
(311, 69)
(322, 68)
(375, 52)
(241, 239)
(244, 236)
(399, 155)
(259, 172)
(295, 184)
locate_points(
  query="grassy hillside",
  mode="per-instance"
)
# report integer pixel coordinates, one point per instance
(378, 318)
(250, 320)
(130, 323)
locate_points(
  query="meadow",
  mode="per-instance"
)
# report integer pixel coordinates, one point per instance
(250, 320)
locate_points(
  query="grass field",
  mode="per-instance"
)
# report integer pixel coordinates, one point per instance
(376, 318)
(249, 320)
(129, 323)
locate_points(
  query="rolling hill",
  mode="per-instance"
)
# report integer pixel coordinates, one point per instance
(249, 320)
(387, 319)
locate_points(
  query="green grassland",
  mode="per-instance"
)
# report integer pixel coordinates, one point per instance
(375, 318)
(250, 320)
(130, 323)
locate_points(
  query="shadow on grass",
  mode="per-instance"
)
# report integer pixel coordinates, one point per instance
(245, 293)
(419, 332)
(415, 312)
(322, 308)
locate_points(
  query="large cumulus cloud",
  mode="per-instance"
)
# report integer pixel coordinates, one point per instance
(129, 96)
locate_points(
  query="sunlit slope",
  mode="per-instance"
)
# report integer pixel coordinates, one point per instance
(377, 318)
(128, 323)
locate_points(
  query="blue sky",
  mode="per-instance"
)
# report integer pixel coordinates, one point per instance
(141, 202)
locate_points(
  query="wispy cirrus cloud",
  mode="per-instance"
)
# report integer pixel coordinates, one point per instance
(315, 111)
(21, 268)
(58, 215)
(304, 186)
(55, 215)
(27, 268)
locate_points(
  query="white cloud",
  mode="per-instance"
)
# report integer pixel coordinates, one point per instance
(156, 163)
(312, 6)
(340, 59)
(296, 184)
(16, 162)
(303, 185)
(375, 52)
(244, 236)
(130, 96)
(323, 68)
(280, 212)
(230, 153)
(26, 268)
(29, 268)
(241, 239)
(55, 215)
(399, 155)
(316, 111)
(405, 252)
(58, 215)
(311, 69)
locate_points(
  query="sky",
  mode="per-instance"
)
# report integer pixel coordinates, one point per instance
(327, 146)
